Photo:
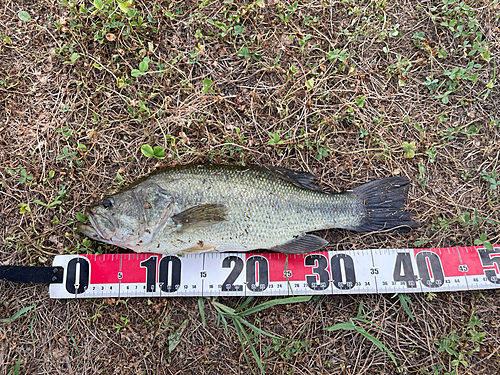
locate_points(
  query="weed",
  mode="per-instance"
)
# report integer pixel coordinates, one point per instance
(285, 12)
(150, 152)
(174, 338)
(59, 199)
(400, 69)
(454, 345)
(409, 149)
(18, 314)
(405, 301)
(201, 307)
(360, 102)
(124, 322)
(275, 139)
(483, 241)
(340, 55)
(73, 340)
(24, 178)
(16, 369)
(351, 325)
(69, 157)
(143, 67)
(237, 316)
(492, 179)
(287, 349)
(421, 177)
(207, 86)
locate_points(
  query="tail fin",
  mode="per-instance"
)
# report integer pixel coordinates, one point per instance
(384, 201)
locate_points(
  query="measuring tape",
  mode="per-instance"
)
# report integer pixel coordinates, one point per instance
(275, 274)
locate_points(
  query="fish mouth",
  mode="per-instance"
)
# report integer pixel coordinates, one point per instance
(93, 230)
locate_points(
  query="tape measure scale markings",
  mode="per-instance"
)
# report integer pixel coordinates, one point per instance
(273, 274)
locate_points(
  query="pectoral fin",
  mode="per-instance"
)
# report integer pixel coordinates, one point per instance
(301, 245)
(200, 217)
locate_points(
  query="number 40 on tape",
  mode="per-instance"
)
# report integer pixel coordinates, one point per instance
(274, 274)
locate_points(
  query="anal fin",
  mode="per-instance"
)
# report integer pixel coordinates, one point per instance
(301, 245)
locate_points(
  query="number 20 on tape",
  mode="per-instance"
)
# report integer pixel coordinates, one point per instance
(240, 274)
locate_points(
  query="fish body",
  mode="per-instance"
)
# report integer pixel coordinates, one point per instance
(203, 208)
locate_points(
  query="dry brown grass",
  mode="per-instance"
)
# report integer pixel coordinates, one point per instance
(41, 97)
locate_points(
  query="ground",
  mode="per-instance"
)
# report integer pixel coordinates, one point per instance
(349, 90)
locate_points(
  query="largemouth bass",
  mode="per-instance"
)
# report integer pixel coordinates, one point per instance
(212, 208)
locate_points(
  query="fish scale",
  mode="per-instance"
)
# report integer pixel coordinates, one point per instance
(194, 209)
(257, 205)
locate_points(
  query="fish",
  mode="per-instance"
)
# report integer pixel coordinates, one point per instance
(199, 208)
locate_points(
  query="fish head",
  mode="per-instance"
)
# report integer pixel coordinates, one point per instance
(130, 218)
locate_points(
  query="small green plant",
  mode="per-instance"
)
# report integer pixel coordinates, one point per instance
(174, 338)
(303, 42)
(73, 340)
(400, 69)
(143, 68)
(285, 13)
(124, 320)
(275, 139)
(69, 156)
(360, 102)
(207, 86)
(59, 199)
(351, 325)
(409, 149)
(24, 16)
(246, 54)
(25, 178)
(421, 177)
(238, 317)
(483, 241)
(454, 345)
(150, 152)
(340, 55)
(363, 133)
(492, 179)
(405, 301)
(287, 349)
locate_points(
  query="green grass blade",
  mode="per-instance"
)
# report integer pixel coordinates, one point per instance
(367, 322)
(258, 330)
(201, 307)
(227, 310)
(404, 299)
(239, 330)
(73, 340)
(250, 344)
(346, 325)
(16, 369)
(377, 342)
(244, 304)
(18, 314)
(274, 302)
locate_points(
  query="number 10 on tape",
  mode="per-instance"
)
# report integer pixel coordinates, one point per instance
(274, 274)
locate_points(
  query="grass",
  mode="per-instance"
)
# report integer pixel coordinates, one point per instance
(96, 94)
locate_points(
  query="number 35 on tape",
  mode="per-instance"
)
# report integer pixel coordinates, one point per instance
(274, 274)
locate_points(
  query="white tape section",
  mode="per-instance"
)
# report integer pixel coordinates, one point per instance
(274, 274)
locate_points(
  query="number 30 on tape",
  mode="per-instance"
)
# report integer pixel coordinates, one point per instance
(273, 274)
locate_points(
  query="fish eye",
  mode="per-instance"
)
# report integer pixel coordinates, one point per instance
(108, 202)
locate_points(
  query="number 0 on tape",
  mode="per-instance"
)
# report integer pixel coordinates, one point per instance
(274, 274)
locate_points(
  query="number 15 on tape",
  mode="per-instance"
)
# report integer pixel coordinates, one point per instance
(240, 274)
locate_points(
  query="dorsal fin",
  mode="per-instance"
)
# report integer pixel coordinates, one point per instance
(305, 180)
